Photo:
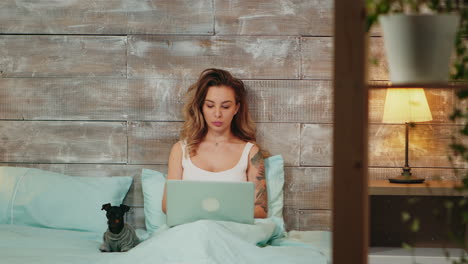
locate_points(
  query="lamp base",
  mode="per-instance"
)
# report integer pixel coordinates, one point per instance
(406, 179)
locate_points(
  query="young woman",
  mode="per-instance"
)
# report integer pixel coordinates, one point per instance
(218, 137)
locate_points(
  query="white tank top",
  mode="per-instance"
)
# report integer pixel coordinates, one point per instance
(238, 173)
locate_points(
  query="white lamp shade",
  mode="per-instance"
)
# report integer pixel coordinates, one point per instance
(406, 105)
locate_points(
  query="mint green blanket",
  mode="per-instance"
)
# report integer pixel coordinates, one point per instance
(202, 242)
(209, 242)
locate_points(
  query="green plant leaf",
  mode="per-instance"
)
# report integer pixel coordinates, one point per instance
(462, 94)
(448, 204)
(457, 113)
(450, 158)
(405, 216)
(383, 7)
(458, 148)
(406, 246)
(464, 131)
(448, 6)
(462, 202)
(465, 217)
(434, 5)
(370, 21)
(415, 225)
(374, 61)
(465, 182)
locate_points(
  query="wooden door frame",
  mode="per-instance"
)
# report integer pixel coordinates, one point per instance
(350, 187)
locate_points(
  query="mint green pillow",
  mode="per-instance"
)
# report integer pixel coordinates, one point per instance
(35, 197)
(274, 172)
(9, 177)
(153, 190)
(153, 183)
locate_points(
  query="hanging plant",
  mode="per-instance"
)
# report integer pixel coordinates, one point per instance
(400, 20)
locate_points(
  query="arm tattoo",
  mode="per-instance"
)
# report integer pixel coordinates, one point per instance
(257, 159)
(261, 198)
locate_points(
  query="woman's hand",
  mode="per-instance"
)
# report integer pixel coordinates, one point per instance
(256, 174)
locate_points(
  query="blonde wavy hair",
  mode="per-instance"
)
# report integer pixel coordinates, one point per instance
(195, 128)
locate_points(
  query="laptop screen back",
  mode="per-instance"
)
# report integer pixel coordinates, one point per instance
(189, 201)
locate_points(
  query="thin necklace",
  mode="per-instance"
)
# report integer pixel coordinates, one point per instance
(217, 143)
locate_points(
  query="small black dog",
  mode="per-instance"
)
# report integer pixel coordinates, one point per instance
(119, 236)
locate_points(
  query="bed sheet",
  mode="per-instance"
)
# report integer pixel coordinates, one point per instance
(24, 244)
(224, 244)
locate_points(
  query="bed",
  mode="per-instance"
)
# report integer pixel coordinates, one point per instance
(47, 217)
(25, 244)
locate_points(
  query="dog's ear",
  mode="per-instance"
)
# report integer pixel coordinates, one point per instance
(124, 208)
(106, 206)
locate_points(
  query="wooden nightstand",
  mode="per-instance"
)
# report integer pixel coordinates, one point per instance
(428, 188)
(387, 231)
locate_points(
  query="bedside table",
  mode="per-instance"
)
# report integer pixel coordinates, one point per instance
(387, 231)
(428, 188)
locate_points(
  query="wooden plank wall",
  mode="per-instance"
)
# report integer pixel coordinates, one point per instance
(95, 88)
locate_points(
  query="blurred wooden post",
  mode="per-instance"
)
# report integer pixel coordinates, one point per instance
(350, 198)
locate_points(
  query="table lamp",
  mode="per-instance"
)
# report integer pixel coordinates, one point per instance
(406, 105)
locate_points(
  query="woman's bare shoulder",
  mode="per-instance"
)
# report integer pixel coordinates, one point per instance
(177, 147)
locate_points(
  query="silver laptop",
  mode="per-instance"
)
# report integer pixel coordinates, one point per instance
(189, 201)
